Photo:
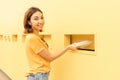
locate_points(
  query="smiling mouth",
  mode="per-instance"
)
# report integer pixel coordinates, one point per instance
(40, 26)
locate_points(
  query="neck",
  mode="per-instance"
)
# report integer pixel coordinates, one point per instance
(36, 32)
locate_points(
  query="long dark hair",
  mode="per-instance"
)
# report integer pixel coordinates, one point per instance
(27, 16)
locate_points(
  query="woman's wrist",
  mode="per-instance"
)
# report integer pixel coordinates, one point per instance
(68, 47)
(71, 47)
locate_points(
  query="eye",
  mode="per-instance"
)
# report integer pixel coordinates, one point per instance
(36, 18)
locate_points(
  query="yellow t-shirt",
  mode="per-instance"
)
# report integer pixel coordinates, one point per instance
(33, 46)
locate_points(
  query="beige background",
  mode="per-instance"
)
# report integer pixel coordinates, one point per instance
(99, 17)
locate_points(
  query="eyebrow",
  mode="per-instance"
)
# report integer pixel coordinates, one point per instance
(38, 16)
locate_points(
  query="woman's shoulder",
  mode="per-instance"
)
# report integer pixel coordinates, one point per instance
(31, 37)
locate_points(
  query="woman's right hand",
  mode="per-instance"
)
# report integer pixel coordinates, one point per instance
(72, 47)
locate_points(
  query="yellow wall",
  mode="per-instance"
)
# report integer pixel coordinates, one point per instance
(99, 17)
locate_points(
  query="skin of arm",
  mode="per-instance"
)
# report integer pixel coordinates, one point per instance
(50, 57)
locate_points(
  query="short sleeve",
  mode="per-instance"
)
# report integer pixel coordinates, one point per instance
(36, 45)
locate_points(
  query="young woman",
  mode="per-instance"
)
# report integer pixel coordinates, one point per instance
(39, 57)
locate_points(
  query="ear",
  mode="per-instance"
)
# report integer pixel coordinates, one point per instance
(29, 22)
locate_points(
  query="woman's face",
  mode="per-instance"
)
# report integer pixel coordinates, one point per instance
(37, 21)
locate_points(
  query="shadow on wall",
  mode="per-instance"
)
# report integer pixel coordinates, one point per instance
(4, 76)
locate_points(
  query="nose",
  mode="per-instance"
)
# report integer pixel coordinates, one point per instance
(41, 21)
